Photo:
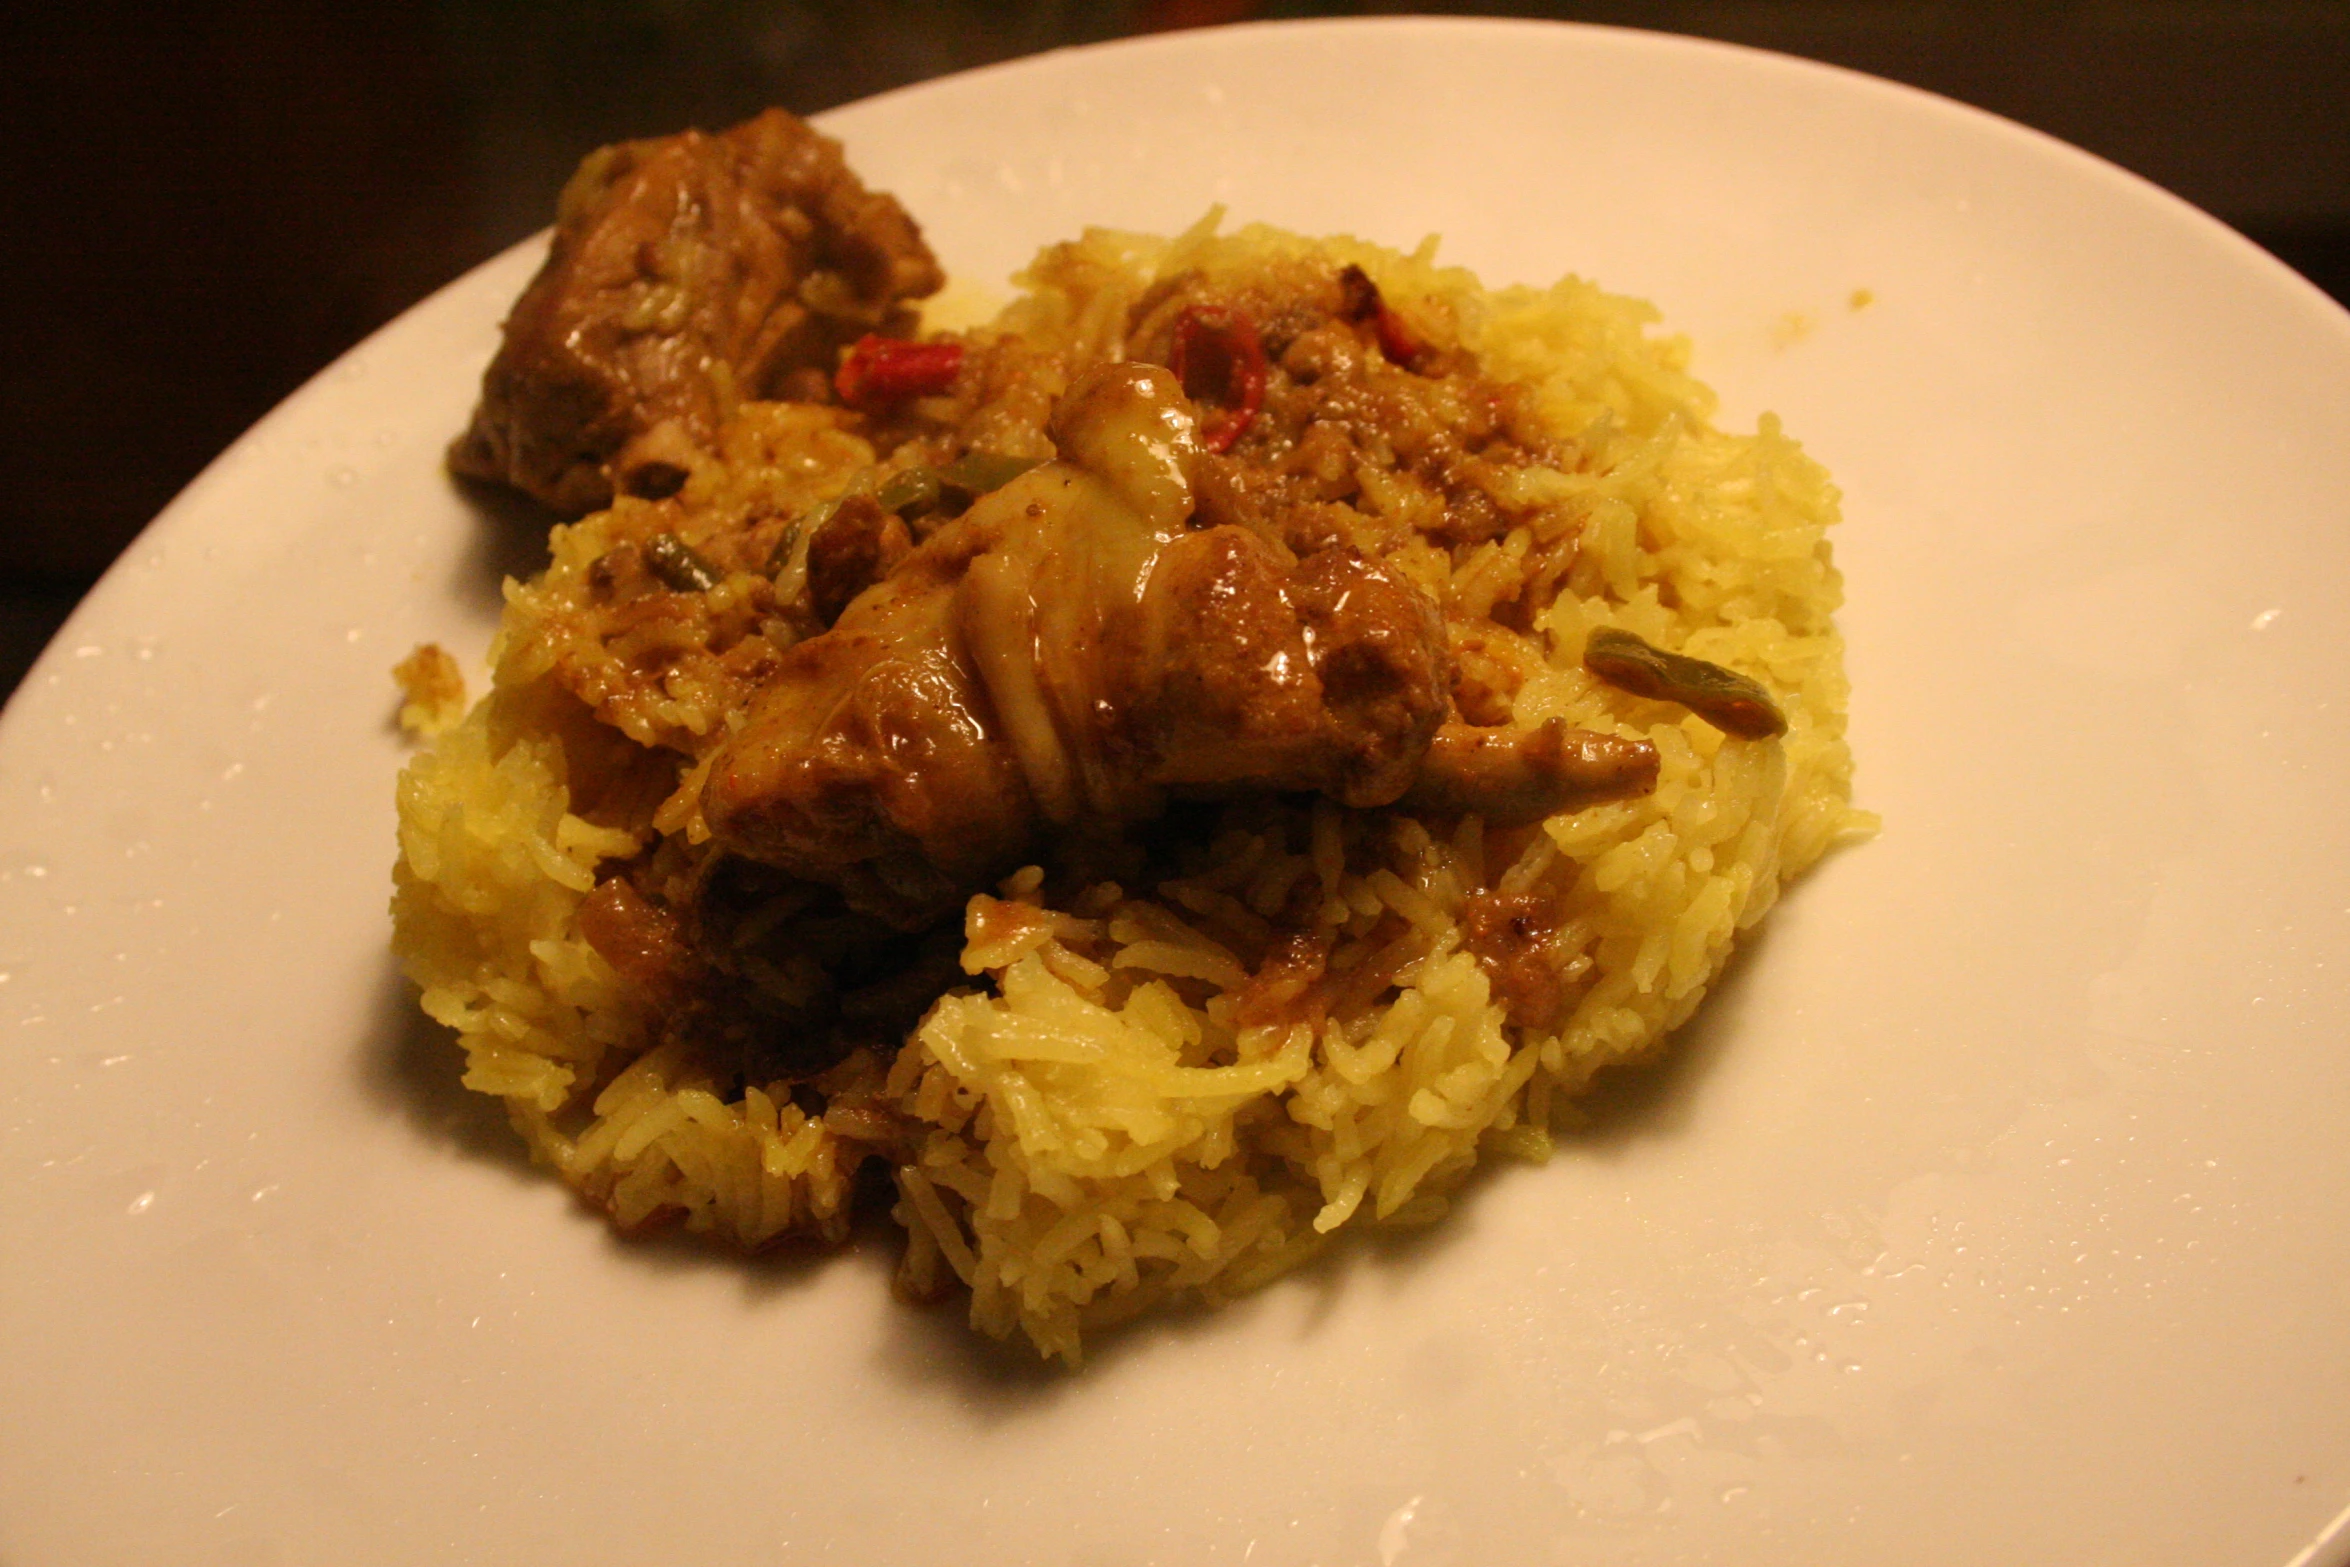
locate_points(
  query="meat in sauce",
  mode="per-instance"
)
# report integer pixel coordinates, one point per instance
(1072, 593)
(1075, 648)
(686, 272)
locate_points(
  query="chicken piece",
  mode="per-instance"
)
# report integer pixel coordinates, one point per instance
(1514, 776)
(1071, 650)
(871, 761)
(1328, 675)
(1052, 610)
(913, 751)
(686, 271)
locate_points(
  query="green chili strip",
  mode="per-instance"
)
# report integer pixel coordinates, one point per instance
(1722, 697)
(909, 493)
(912, 492)
(805, 524)
(681, 568)
(975, 473)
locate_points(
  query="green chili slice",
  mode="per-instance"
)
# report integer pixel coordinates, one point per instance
(1722, 697)
(681, 568)
(807, 522)
(909, 493)
(915, 492)
(976, 472)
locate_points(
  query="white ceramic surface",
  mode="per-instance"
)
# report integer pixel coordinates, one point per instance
(1996, 1210)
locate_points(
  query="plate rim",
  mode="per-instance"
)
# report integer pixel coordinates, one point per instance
(163, 529)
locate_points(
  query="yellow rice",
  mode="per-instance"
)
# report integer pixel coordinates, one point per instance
(1089, 1127)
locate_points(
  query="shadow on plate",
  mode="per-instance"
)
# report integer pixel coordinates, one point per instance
(411, 1065)
(509, 540)
(410, 1062)
(414, 1067)
(1654, 1099)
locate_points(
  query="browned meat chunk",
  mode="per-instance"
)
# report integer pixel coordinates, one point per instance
(685, 271)
(1329, 675)
(852, 549)
(871, 762)
(1512, 776)
(639, 938)
(1283, 988)
(1517, 941)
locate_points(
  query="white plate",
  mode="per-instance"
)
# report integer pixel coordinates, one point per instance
(1996, 1210)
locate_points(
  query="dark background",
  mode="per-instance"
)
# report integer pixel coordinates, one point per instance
(207, 202)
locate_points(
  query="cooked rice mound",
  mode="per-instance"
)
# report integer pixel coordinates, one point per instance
(1178, 1075)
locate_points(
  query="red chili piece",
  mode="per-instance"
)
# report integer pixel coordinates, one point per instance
(880, 371)
(1363, 302)
(1221, 363)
